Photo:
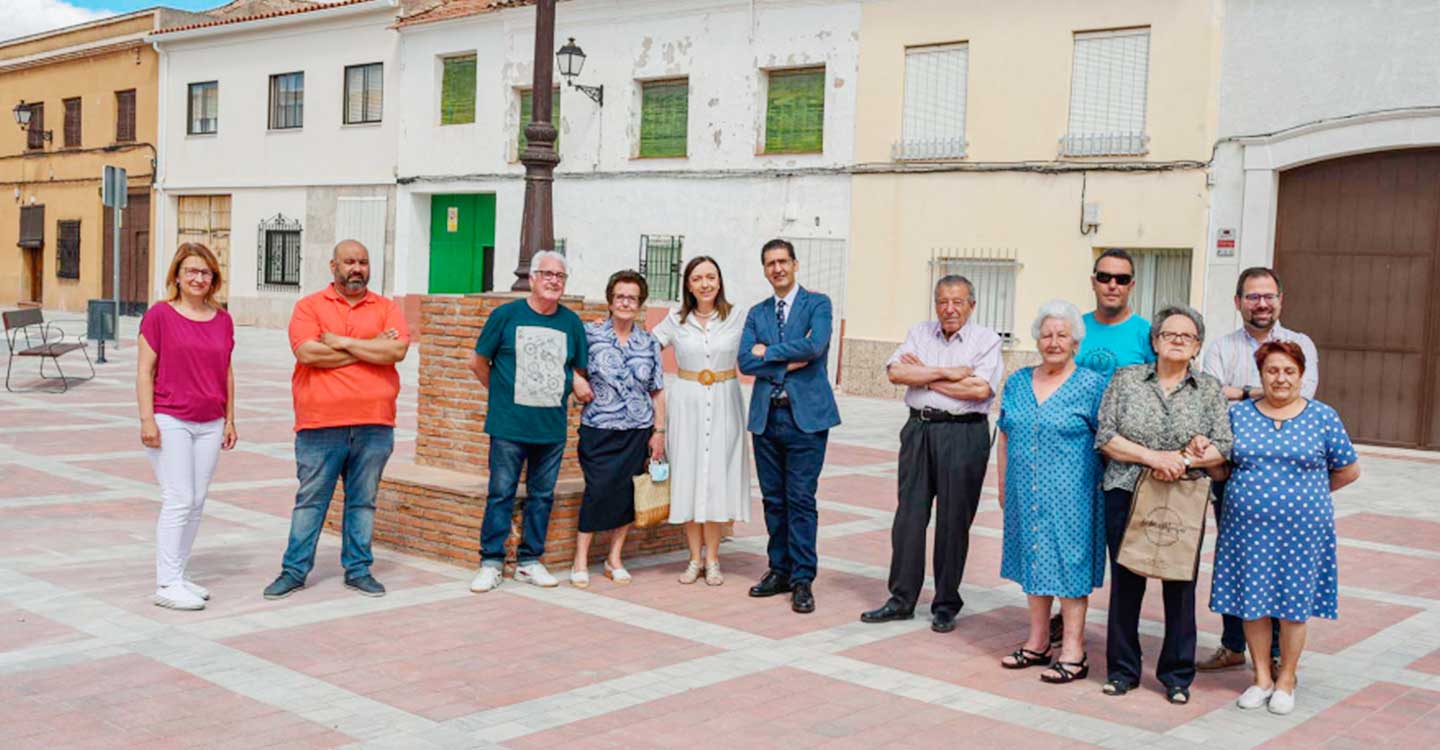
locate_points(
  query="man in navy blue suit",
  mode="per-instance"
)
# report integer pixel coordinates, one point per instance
(785, 346)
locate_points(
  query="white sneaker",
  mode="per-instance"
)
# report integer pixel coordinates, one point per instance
(1255, 697)
(486, 579)
(1282, 702)
(535, 573)
(176, 596)
(197, 589)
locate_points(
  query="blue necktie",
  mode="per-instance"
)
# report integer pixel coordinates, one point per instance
(780, 316)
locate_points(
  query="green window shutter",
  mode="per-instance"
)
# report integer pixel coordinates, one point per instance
(457, 91)
(795, 111)
(526, 108)
(664, 118)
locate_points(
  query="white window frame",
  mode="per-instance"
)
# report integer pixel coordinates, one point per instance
(932, 125)
(994, 275)
(1109, 93)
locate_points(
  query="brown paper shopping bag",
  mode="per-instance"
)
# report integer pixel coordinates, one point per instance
(1165, 529)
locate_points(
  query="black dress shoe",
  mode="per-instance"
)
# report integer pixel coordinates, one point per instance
(801, 600)
(889, 612)
(942, 622)
(773, 583)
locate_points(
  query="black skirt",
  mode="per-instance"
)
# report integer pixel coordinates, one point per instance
(609, 460)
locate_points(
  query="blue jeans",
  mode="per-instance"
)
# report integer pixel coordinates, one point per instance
(322, 455)
(506, 459)
(788, 462)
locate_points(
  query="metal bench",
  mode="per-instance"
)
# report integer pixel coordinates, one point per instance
(28, 335)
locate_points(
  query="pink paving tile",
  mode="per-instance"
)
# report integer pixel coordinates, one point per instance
(21, 481)
(20, 628)
(276, 501)
(971, 657)
(234, 466)
(839, 597)
(81, 440)
(268, 430)
(787, 708)
(235, 575)
(846, 454)
(59, 530)
(1382, 715)
(1405, 532)
(132, 701)
(1383, 571)
(756, 526)
(1428, 663)
(859, 489)
(982, 566)
(452, 658)
(43, 418)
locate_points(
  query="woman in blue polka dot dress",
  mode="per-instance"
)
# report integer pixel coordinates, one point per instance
(1276, 553)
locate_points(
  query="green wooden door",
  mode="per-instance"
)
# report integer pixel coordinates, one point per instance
(461, 228)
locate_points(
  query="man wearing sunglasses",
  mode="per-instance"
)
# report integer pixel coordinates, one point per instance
(1231, 359)
(1115, 336)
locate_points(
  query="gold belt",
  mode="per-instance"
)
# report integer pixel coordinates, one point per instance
(707, 377)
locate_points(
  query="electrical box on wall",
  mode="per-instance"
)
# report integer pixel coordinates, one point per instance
(1090, 216)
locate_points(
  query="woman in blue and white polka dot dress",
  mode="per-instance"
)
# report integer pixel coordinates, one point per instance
(1276, 552)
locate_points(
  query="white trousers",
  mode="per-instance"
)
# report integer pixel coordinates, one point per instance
(183, 465)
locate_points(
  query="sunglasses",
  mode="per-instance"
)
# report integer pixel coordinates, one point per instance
(1123, 279)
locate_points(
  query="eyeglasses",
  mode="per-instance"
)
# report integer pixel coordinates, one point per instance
(1123, 279)
(1256, 299)
(1177, 337)
(198, 273)
(628, 299)
(554, 275)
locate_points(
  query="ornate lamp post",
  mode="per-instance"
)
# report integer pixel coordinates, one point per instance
(537, 224)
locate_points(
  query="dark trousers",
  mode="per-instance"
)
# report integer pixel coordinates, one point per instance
(1127, 592)
(788, 462)
(1232, 633)
(941, 463)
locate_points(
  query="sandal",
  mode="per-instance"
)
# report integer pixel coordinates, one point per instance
(1062, 672)
(1023, 657)
(713, 577)
(619, 575)
(1177, 695)
(580, 579)
(692, 573)
(1116, 687)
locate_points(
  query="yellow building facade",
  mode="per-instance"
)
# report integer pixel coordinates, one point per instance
(1011, 143)
(90, 94)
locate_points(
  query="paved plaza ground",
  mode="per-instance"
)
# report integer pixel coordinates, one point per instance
(87, 661)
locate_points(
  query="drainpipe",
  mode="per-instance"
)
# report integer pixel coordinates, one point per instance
(158, 199)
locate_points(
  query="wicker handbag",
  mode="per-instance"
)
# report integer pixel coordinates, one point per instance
(652, 501)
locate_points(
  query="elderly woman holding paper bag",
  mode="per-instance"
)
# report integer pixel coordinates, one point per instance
(1162, 422)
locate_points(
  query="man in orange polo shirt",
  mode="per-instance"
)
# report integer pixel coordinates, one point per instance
(346, 341)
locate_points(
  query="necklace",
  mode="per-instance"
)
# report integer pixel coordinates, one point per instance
(706, 316)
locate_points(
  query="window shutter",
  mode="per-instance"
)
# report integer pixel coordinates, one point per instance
(32, 226)
(1108, 88)
(457, 91)
(527, 110)
(125, 116)
(67, 250)
(35, 134)
(935, 87)
(1162, 278)
(664, 118)
(72, 123)
(795, 111)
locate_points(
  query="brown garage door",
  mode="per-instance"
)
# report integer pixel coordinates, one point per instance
(1357, 242)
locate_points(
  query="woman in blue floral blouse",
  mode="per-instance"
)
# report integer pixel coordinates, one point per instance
(622, 427)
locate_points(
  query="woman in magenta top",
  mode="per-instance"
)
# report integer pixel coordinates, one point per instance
(186, 390)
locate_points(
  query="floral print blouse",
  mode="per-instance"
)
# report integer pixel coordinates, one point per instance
(1135, 408)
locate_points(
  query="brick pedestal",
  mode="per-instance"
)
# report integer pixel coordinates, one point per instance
(434, 506)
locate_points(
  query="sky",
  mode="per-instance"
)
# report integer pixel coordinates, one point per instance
(25, 17)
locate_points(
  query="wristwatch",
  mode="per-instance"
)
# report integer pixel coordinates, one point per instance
(1185, 458)
(1245, 391)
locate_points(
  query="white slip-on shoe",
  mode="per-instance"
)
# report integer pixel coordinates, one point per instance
(619, 575)
(580, 579)
(176, 596)
(535, 573)
(1254, 697)
(485, 579)
(1282, 702)
(197, 589)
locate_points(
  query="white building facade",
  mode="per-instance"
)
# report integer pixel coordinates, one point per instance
(1327, 169)
(278, 138)
(724, 123)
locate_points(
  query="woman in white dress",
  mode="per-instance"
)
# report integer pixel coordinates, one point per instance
(709, 455)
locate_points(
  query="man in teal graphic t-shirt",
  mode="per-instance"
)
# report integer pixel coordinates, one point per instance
(1115, 336)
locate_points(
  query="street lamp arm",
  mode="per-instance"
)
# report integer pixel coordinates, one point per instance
(596, 93)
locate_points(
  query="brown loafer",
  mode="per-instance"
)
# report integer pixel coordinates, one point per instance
(1221, 660)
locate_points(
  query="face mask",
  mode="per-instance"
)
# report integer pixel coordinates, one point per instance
(659, 471)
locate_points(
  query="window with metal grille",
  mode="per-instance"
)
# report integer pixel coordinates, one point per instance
(125, 116)
(1162, 278)
(35, 133)
(72, 123)
(660, 256)
(934, 117)
(279, 251)
(795, 111)
(664, 118)
(67, 249)
(287, 101)
(204, 108)
(993, 273)
(457, 90)
(32, 227)
(364, 93)
(1108, 83)
(527, 108)
(822, 269)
